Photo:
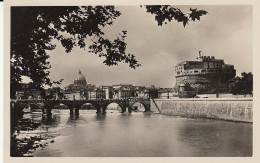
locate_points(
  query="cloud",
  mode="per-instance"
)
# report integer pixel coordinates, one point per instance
(226, 33)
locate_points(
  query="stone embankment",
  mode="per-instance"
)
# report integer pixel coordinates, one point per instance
(237, 109)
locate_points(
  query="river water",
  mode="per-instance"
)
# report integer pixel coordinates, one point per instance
(136, 134)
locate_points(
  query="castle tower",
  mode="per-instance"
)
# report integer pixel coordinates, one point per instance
(205, 75)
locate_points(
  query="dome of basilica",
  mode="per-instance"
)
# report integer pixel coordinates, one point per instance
(80, 79)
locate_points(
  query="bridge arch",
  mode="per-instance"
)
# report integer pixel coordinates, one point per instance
(24, 105)
(88, 106)
(60, 105)
(34, 104)
(68, 104)
(118, 104)
(144, 104)
(138, 106)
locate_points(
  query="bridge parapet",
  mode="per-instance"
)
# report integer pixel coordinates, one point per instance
(76, 104)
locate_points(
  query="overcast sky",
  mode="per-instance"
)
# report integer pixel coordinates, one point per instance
(226, 33)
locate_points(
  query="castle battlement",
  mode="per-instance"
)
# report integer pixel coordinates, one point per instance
(206, 74)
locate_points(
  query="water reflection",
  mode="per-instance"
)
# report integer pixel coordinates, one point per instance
(220, 139)
(46, 120)
(100, 117)
(73, 117)
(147, 114)
(52, 120)
(131, 134)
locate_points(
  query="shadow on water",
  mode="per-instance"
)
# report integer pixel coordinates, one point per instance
(47, 120)
(100, 117)
(147, 114)
(52, 121)
(126, 114)
(72, 120)
(74, 117)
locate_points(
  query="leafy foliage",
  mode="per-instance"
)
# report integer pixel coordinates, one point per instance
(242, 85)
(33, 30)
(114, 52)
(166, 12)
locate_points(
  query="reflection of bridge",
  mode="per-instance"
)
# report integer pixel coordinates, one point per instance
(75, 105)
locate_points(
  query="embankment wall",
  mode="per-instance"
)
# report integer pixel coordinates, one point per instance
(238, 109)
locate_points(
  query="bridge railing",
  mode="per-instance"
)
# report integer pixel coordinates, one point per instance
(43, 100)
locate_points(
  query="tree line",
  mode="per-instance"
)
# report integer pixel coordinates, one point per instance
(242, 85)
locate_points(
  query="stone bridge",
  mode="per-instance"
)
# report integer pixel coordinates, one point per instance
(75, 105)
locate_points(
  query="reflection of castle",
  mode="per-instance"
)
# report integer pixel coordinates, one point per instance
(206, 75)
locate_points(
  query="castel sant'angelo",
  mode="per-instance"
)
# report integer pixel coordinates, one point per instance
(205, 75)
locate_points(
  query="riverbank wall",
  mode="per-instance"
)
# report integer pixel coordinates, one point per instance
(237, 109)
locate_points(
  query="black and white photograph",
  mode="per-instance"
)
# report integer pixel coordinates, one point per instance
(130, 80)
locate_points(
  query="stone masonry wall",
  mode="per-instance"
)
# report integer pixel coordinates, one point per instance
(225, 109)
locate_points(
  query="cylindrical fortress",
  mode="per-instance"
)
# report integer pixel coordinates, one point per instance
(205, 75)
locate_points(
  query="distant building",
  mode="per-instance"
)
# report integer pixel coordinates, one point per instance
(151, 92)
(79, 89)
(73, 96)
(28, 91)
(108, 91)
(122, 91)
(98, 93)
(165, 93)
(140, 91)
(205, 75)
(80, 84)
(54, 93)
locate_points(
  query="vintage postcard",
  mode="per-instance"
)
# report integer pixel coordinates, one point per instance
(103, 81)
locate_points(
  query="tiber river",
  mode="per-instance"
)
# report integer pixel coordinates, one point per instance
(136, 134)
